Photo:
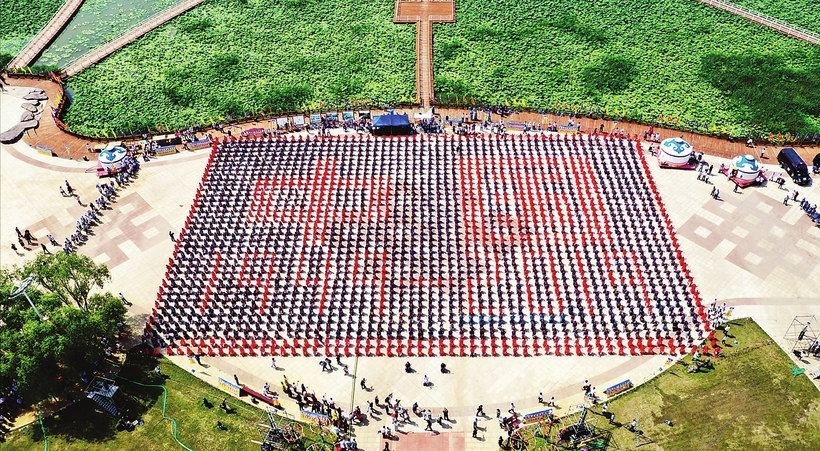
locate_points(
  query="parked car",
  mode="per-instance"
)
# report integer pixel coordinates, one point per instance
(791, 162)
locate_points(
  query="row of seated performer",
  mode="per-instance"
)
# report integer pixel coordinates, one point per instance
(487, 245)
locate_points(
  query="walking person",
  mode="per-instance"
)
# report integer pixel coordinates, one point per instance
(45, 249)
(480, 411)
(69, 188)
(446, 414)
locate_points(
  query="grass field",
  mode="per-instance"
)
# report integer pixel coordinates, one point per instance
(749, 400)
(79, 427)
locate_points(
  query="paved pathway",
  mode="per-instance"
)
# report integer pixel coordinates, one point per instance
(771, 275)
(36, 46)
(761, 19)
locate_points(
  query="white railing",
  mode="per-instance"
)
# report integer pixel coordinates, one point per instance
(763, 19)
(57, 18)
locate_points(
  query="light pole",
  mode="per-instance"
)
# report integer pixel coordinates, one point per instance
(21, 288)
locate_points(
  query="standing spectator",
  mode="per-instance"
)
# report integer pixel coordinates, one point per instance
(171, 234)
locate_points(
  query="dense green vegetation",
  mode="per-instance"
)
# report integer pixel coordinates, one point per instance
(633, 59)
(20, 20)
(679, 59)
(803, 14)
(43, 356)
(230, 56)
(97, 22)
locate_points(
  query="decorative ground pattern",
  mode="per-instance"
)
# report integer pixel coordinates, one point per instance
(453, 246)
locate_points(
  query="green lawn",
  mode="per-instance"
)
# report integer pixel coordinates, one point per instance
(749, 400)
(79, 427)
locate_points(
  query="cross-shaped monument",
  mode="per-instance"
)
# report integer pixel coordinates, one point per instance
(423, 13)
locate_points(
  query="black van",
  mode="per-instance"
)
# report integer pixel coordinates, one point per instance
(794, 166)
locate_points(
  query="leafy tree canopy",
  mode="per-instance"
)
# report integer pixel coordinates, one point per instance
(42, 356)
(69, 276)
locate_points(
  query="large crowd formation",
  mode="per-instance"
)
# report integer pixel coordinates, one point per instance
(521, 245)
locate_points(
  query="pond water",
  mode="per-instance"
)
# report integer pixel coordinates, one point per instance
(97, 22)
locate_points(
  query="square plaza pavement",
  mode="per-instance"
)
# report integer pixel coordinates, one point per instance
(750, 251)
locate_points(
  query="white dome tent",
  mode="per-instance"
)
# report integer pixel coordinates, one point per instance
(676, 153)
(745, 170)
(745, 167)
(112, 158)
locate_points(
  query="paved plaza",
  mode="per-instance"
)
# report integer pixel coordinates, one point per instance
(749, 250)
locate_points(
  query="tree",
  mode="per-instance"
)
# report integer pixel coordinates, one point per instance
(70, 276)
(40, 355)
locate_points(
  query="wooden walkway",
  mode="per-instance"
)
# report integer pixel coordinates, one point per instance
(35, 47)
(424, 13)
(129, 36)
(761, 19)
(47, 133)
